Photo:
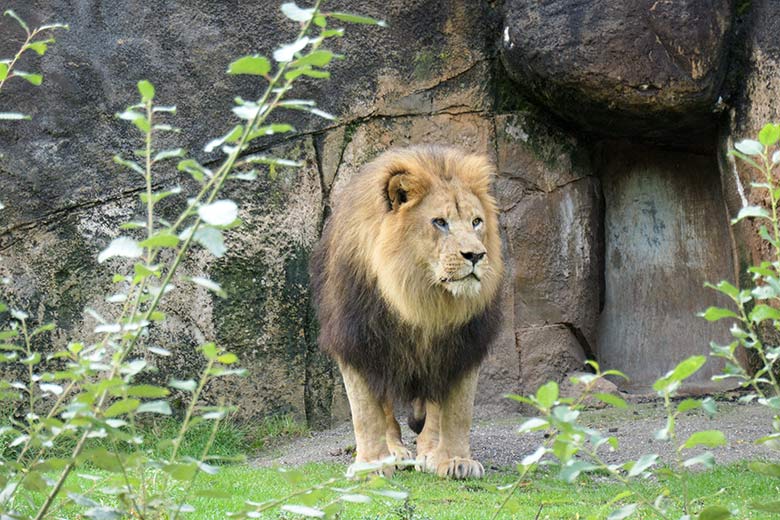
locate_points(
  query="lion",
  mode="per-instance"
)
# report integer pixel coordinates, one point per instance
(406, 280)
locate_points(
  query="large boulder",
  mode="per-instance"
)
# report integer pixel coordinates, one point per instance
(635, 67)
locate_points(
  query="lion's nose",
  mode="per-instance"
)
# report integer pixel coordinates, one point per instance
(472, 257)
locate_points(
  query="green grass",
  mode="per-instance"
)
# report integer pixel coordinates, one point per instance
(430, 497)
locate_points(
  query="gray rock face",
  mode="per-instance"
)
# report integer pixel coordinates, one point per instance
(640, 67)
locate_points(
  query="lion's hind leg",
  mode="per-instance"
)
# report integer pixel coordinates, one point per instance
(393, 433)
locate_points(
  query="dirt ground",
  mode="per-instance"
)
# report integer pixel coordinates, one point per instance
(496, 443)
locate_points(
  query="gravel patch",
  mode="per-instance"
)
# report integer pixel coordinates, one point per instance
(496, 443)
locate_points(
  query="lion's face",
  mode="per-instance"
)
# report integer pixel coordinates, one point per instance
(440, 251)
(450, 224)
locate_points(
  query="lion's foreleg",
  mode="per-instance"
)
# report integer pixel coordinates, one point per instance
(452, 455)
(368, 418)
(393, 433)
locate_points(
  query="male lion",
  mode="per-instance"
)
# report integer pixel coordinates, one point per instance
(406, 280)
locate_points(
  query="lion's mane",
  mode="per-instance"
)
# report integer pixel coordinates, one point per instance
(419, 351)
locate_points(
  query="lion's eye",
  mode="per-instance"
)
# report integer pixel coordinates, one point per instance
(440, 223)
(476, 222)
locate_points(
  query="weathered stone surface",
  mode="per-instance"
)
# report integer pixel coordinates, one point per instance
(666, 234)
(431, 60)
(639, 67)
(551, 213)
(548, 353)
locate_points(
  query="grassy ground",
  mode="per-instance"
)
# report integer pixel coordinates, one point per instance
(543, 497)
(429, 497)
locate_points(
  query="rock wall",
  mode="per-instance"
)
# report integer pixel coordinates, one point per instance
(602, 118)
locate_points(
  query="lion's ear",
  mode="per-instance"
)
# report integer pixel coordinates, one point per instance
(403, 187)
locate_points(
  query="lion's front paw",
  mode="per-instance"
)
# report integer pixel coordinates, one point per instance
(459, 468)
(450, 467)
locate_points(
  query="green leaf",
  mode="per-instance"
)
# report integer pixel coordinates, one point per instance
(169, 154)
(682, 371)
(718, 313)
(210, 351)
(197, 171)
(162, 239)
(726, 288)
(688, 404)
(147, 391)
(227, 359)
(707, 459)
(303, 511)
(644, 462)
(142, 270)
(231, 137)
(181, 472)
(295, 13)
(571, 471)
(32, 359)
(40, 46)
(714, 513)
(219, 213)
(188, 386)
(255, 65)
(13, 116)
(276, 128)
(210, 285)
(765, 468)
(547, 394)
(123, 247)
(749, 147)
(3, 70)
(355, 18)
(710, 438)
(611, 399)
(129, 164)
(21, 22)
(211, 239)
(763, 312)
(769, 134)
(287, 52)
(122, 407)
(318, 58)
(751, 212)
(35, 79)
(624, 512)
(146, 90)
(159, 195)
(160, 407)
(43, 328)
